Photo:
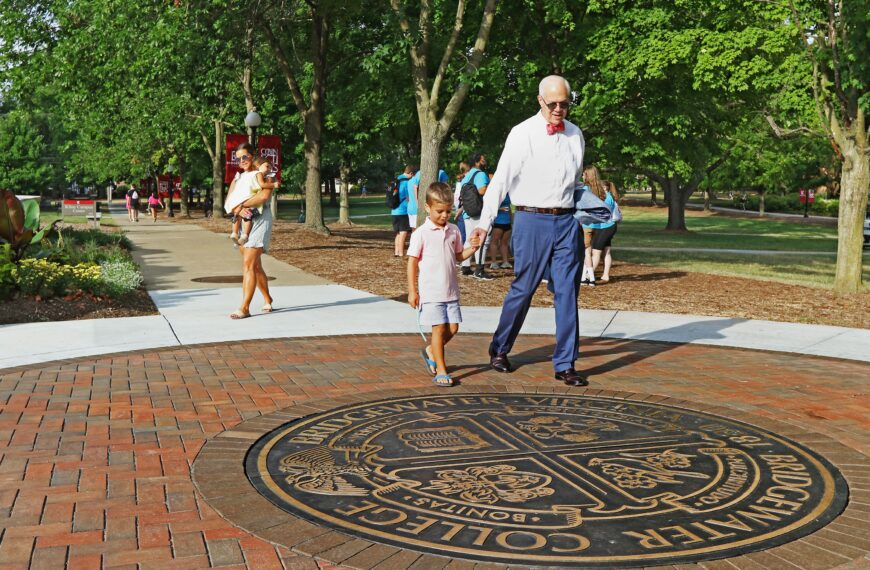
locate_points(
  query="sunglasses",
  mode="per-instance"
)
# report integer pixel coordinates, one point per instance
(561, 104)
(245, 157)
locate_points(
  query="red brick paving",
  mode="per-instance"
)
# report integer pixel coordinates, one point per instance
(96, 453)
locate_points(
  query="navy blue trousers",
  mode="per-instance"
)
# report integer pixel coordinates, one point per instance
(544, 244)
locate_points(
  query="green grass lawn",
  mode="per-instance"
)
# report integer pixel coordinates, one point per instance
(643, 227)
(373, 205)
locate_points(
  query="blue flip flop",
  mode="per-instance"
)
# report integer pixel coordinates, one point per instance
(447, 381)
(430, 364)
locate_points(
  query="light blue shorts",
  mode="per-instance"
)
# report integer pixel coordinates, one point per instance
(440, 313)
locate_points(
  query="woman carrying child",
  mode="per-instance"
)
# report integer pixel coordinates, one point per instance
(435, 248)
(262, 181)
(253, 275)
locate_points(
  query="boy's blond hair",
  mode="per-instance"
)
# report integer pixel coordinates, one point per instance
(439, 192)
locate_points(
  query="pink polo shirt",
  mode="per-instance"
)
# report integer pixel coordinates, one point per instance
(436, 248)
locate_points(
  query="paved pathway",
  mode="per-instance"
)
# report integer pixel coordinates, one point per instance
(95, 470)
(172, 256)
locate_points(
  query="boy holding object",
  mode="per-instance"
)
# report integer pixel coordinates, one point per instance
(435, 248)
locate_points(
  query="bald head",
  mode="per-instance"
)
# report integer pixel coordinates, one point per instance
(553, 84)
(554, 96)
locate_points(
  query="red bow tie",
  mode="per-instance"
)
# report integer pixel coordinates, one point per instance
(553, 129)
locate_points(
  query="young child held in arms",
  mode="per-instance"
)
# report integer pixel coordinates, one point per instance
(264, 167)
(435, 248)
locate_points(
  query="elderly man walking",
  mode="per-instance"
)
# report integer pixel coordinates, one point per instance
(540, 168)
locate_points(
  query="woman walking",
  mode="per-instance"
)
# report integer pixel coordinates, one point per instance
(253, 275)
(603, 238)
(599, 235)
(501, 236)
(154, 202)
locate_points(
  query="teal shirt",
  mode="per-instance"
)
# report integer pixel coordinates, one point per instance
(412, 190)
(402, 209)
(610, 203)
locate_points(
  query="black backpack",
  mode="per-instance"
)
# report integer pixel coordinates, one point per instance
(470, 198)
(392, 198)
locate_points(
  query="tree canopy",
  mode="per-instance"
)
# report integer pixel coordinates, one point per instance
(768, 95)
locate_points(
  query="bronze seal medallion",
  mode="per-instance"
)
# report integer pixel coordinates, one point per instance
(556, 480)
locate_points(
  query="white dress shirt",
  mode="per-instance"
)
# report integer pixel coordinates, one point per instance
(536, 169)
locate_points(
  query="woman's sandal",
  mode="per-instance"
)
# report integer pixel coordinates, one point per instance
(238, 314)
(443, 380)
(267, 308)
(430, 364)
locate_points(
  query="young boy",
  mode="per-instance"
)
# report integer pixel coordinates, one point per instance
(435, 248)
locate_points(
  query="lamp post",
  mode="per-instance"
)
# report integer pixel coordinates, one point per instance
(252, 121)
(170, 169)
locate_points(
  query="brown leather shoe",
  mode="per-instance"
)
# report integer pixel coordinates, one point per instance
(499, 361)
(571, 378)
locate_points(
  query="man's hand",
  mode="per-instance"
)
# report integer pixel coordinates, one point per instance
(245, 212)
(475, 241)
(413, 299)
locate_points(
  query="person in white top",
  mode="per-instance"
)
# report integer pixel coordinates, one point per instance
(540, 169)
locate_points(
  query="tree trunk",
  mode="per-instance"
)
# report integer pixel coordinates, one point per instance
(344, 201)
(761, 201)
(312, 146)
(854, 185)
(708, 199)
(676, 205)
(217, 170)
(333, 191)
(429, 157)
(653, 192)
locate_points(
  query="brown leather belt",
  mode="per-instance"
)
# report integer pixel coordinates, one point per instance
(548, 211)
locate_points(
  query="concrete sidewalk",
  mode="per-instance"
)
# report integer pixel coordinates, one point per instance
(172, 256)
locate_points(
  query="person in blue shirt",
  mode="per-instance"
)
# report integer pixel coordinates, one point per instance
(400, 214)
(603, 237)
(413, 192)
(501, 236)
(479, 177)
(596, 236)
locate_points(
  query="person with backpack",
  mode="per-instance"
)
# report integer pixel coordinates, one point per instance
(133, 194)
(397, 201)
(474, 185)
(413, 190)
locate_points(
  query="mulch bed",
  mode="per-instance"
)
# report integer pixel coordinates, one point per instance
(361, 257)
(76, 307)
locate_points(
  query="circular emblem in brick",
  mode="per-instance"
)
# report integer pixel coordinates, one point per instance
(555, 480)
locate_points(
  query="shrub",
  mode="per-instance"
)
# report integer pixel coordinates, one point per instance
(85, 277)
(48, 279)
(119, 277)
(42, 277)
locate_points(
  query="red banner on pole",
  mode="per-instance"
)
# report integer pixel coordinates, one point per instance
(269, 148)
(803, 195)
(812, 195)
(163, 186)
(232, 163)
